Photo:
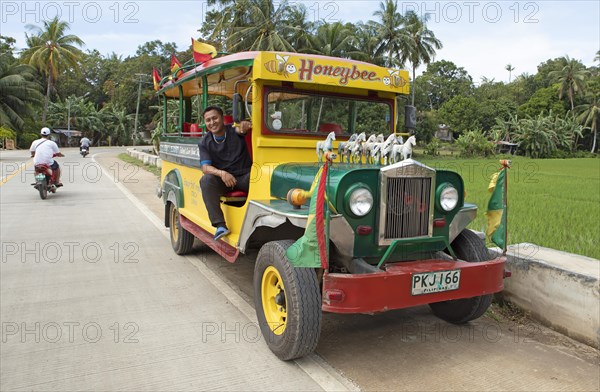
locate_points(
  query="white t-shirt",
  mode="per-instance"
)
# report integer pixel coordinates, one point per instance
(85, 142)
(44, 151)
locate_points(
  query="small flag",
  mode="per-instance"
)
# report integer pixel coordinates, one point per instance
(310, 250)
(202, 52)
(497, 207)
(175, 66)
(156, 78)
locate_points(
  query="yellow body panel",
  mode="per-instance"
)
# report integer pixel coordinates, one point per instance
(271, 150)
(320, 70)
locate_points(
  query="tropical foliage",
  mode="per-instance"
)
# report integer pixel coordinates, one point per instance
(554, 111)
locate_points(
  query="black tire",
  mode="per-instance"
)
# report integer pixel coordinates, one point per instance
(181, 239)
(43, 188)
(300, 300)
(468, 247)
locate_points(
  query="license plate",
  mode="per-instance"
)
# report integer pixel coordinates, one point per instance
(40, 177)
(435, 282)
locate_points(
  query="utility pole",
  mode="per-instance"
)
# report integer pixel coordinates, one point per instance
(137, 108)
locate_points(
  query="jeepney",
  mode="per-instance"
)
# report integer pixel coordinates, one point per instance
(397, 234)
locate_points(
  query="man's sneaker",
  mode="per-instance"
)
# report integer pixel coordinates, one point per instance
(221, 232)
(58, 185)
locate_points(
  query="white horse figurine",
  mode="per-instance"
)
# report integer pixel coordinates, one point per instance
(368, 145)
(356, 149)
(344, 148)
(387, 146)
(404, 149)
(325, 146)
(374, 157)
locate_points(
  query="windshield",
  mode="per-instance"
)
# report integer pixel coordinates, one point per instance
(318, 114)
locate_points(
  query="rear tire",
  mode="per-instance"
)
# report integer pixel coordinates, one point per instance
(181, 239)
(468, 247)
(287, 302)
(43, 188)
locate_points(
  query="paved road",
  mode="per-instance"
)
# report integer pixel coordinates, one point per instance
(93, 298)
(170, 322)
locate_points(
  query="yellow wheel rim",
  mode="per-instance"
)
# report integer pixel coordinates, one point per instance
(273, 300)
(174, 224)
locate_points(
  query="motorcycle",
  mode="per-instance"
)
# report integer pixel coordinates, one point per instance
(84, 151)
(44, 180)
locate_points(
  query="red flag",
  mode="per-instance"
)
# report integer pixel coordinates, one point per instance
(202, 52)
(175, 66)
(156, 78)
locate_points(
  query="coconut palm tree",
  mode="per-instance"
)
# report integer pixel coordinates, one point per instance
(300, 28)
(421, 45)
(390, 32)
(509, 68)
(264, 28)
(19, 91)
(50, 50)
(572, 78)
(589, 116)
(332, 39)
(365, 44)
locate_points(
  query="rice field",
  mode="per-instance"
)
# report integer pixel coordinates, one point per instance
(553, 203)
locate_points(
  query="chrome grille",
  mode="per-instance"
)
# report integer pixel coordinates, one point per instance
(408, 206)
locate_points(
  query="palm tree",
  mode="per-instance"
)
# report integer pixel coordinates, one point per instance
(421, 45)
(332, 39)
(365, 43)
(264, 28)
(51, 50)
(589, 116)
(300, 28)
(19, 91)
(390, 33)
(572, 78)
(509, 68)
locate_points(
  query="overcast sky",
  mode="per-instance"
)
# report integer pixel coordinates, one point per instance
(480, 36)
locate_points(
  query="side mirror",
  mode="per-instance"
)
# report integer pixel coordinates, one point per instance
(410, 117)
(237, 109)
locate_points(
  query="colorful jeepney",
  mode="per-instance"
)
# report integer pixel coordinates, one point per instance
(397, 233)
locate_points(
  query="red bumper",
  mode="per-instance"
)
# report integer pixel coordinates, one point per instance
(391, 289)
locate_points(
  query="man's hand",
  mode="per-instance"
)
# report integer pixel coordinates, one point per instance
(244, 127)
(227, 178)
(59, 154)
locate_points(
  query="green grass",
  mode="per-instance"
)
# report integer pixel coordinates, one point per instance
(554, 203)
(134, 161)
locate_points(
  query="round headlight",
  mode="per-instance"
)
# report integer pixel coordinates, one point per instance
(360, 201)
(448, 198)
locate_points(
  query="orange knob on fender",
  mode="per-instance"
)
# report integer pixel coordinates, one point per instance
(297, 197)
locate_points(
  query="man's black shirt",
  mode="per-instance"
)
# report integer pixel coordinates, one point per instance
(230, 155)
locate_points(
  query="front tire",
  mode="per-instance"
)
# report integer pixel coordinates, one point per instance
(468, 247)
(287, 302)
(182, 240)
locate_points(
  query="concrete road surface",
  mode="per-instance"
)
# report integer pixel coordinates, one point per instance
(119, 310)
(93, 298)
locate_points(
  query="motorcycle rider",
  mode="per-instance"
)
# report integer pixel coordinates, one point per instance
(85, 143)
(43, 150)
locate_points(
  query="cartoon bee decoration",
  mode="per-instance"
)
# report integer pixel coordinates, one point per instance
(394, 79)
(280, 66)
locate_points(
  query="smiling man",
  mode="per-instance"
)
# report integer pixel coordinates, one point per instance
(225, 162)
